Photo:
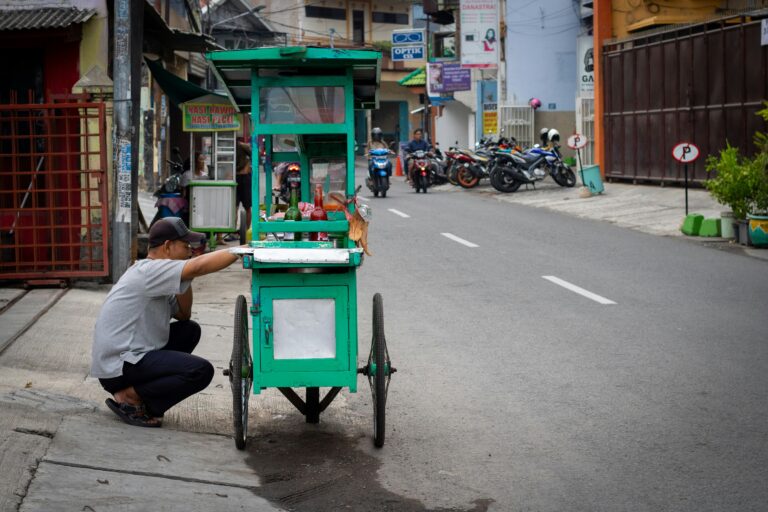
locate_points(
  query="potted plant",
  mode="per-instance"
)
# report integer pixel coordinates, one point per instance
(731, 187)
(758, 217)
(742, 184)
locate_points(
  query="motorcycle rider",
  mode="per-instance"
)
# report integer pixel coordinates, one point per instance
(376, 142)
(415, 144)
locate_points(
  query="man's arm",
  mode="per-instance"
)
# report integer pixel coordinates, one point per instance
(207, 264)
(184, 300)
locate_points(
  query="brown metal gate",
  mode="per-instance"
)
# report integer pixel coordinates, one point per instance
(700, 84)
(53, 191)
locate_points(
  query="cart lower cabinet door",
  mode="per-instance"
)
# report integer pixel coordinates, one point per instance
(305, 329)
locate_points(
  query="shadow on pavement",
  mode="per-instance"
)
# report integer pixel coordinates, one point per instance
(323, 471)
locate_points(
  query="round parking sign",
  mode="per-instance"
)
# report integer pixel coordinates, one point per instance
(685, 152)
(577, 141)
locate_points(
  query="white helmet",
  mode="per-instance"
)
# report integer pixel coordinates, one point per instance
(553, 135)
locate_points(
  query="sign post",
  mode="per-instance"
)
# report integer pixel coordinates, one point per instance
(577, 142)
(685, 152)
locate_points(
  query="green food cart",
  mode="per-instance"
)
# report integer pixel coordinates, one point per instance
(213, 202)
(304, 293)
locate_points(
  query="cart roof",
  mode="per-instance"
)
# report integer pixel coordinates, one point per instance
(233, 68)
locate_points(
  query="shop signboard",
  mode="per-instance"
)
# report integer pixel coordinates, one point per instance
(402, 53)
(479, 21)
(444, 77)
(207, 114)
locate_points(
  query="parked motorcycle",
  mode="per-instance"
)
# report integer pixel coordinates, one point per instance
(471, 169)
(438, 166)
(532, 166)
(382, 168)
(170, 198)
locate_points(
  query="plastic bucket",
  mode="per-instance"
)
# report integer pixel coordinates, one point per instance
(590, 178)
(727, 225)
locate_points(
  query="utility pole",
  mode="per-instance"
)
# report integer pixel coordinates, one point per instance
(427, 106)
(122, 197)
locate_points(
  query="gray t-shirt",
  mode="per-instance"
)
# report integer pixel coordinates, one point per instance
(135, 318)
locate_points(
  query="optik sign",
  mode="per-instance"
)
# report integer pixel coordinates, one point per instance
(585, 66)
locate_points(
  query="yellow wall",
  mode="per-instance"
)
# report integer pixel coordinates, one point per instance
(630, 16)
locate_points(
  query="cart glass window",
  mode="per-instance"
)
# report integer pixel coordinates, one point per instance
(331, 173)
(305, 328)
(284, 144)
(301, 105)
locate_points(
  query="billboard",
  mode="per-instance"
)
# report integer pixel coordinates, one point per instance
(480, 38)
(443, 77)
(585, 66)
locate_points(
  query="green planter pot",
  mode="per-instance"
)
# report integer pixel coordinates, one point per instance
(758, 230)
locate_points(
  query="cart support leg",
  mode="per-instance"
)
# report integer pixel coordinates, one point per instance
(313, 405)
(326, 401)
(292, 397)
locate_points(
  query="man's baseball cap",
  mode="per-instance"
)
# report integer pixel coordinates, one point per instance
(172, 228)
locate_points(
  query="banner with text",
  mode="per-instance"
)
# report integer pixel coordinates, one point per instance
(443, 77)
(479, 33)
(207, 117)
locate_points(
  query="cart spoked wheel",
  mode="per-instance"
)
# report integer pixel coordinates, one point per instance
(241, 373)
(378, 370)
(243, 228)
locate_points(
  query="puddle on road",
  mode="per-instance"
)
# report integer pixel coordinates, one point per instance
(324, 472)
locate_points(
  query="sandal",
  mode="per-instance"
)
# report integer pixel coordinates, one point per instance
(133, 414)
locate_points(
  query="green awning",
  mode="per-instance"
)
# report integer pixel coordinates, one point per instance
(176, 88)
(416, 78)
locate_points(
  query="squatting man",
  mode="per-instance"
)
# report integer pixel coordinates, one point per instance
(139, 356)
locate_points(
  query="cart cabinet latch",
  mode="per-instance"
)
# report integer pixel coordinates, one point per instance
(267, 331)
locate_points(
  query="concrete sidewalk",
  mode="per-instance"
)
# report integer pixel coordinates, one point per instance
(62, 449)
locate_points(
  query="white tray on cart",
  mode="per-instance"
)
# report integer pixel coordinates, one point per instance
(298, 255)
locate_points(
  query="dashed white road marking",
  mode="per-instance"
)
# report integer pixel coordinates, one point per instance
(459, 240)
(398, 212)
(577, 289)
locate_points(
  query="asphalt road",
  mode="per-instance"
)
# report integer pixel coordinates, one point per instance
(517, 393)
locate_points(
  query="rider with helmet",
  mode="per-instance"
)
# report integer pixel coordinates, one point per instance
(377, 142)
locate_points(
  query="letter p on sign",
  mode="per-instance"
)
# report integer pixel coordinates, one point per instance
(685, 152)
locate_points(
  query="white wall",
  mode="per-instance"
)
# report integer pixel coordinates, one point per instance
(541, 52)
(452, 125)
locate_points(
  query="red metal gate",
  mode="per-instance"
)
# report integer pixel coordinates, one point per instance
(701, 84)
(53, 191)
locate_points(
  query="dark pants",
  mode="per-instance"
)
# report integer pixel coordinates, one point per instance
(243, 192)
(167, 376)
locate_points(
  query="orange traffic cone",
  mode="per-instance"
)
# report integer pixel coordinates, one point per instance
(398, 167)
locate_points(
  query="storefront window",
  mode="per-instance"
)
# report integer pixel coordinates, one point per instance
(301, 105)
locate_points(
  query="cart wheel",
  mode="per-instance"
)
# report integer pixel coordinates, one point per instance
(379, 371)
(240, 373)
(243, 228)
